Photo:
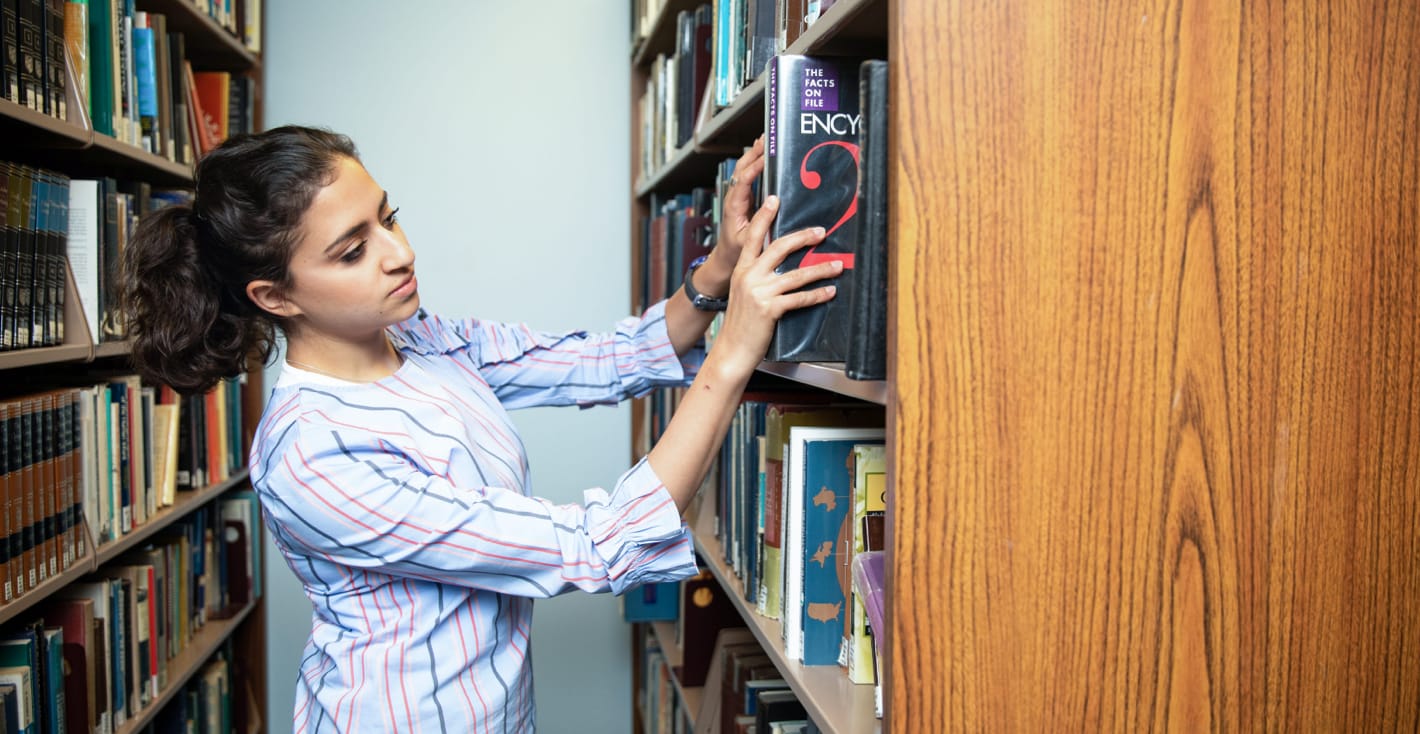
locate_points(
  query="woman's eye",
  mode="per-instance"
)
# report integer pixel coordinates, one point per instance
(353, 254)
(392, 219)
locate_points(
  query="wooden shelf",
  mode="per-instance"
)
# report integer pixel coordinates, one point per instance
(829, 376)
(661, 38)
(42, 591)
(112, 349)
(839, 706)
(151, 167)
(186, 664)
(207, 44)
(54, 143)
(40, 128)
(44, 355)
(690, 166)
(185, 504)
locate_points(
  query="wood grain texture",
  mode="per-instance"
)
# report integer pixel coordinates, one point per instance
(1156, 384)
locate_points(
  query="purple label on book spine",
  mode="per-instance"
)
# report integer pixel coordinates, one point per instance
(820, 89)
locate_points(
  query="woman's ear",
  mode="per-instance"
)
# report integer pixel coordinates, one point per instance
(269, 298)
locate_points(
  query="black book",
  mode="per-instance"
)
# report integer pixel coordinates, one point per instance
(31, 14)
(761, 38)
(9, 51)
(22, 241)
(777, 704)
(811, 164)
(8, 255)
(867, 354)
(55, 70)
(685, 77)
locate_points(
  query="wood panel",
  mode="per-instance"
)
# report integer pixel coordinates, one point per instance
(1156, 462)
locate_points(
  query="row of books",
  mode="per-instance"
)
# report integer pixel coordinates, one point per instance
(100, 652)
(747, 33)
(49, 220)
(674, 90)
(208, 703)
(33, 235)
(800, 494)
(107, 66)
(83, 466)
(742, 690)
(720, 48)
(241, 18)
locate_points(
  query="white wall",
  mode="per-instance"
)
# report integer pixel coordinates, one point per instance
(500, 129)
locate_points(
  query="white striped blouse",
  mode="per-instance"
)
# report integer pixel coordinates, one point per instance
(402, 507)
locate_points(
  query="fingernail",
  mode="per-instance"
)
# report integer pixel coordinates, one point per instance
(837, 264)
(772, 200)
(819, 231)
(832, 290)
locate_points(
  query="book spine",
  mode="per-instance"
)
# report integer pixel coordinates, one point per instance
(56, 81)
(9, 52)
(31, 49)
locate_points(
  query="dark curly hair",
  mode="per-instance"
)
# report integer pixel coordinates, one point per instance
(186, 268)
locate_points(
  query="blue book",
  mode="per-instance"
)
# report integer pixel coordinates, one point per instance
(654, 602)
(827, 510)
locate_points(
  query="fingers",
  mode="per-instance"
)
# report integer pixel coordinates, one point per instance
(800, 277)
(804, 299)
(782, 247)
(759, 230)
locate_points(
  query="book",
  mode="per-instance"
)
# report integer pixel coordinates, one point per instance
(705, 609)
(9, 52)
(19, 685)
(779, 419)
(869, 508)
(811, 164)
(816, 499)
(868, 300)
(76, 618)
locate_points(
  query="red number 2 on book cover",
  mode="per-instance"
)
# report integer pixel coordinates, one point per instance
(812, 180)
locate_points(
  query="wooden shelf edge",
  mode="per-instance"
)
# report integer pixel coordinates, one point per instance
(825, 28)
(45, 355)
(111, 349)
(44, 590)
(38, 120)
(829, 376)
(185, 503)
(839, 706)
(746, 100)
(134, 154)
(185, 664)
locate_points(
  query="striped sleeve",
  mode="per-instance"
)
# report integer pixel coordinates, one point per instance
(526, 368)
(354, 499)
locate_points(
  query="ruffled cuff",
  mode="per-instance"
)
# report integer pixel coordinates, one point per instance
(646, 359)
(638, 531)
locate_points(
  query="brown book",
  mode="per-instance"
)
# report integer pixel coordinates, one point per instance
(705, 609)
(7, 582)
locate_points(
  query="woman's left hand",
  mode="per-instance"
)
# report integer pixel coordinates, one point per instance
(713, 277)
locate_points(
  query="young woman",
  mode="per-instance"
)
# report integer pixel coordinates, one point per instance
(390, 475)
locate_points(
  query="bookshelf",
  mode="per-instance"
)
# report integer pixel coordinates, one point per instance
(72, 148)
(1152, 436)
(849, 27)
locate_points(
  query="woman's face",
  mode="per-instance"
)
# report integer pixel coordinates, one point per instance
(352, 272)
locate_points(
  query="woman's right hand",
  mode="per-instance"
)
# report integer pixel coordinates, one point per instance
(759, 296)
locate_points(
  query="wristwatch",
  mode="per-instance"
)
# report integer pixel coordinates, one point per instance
(699, 300)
